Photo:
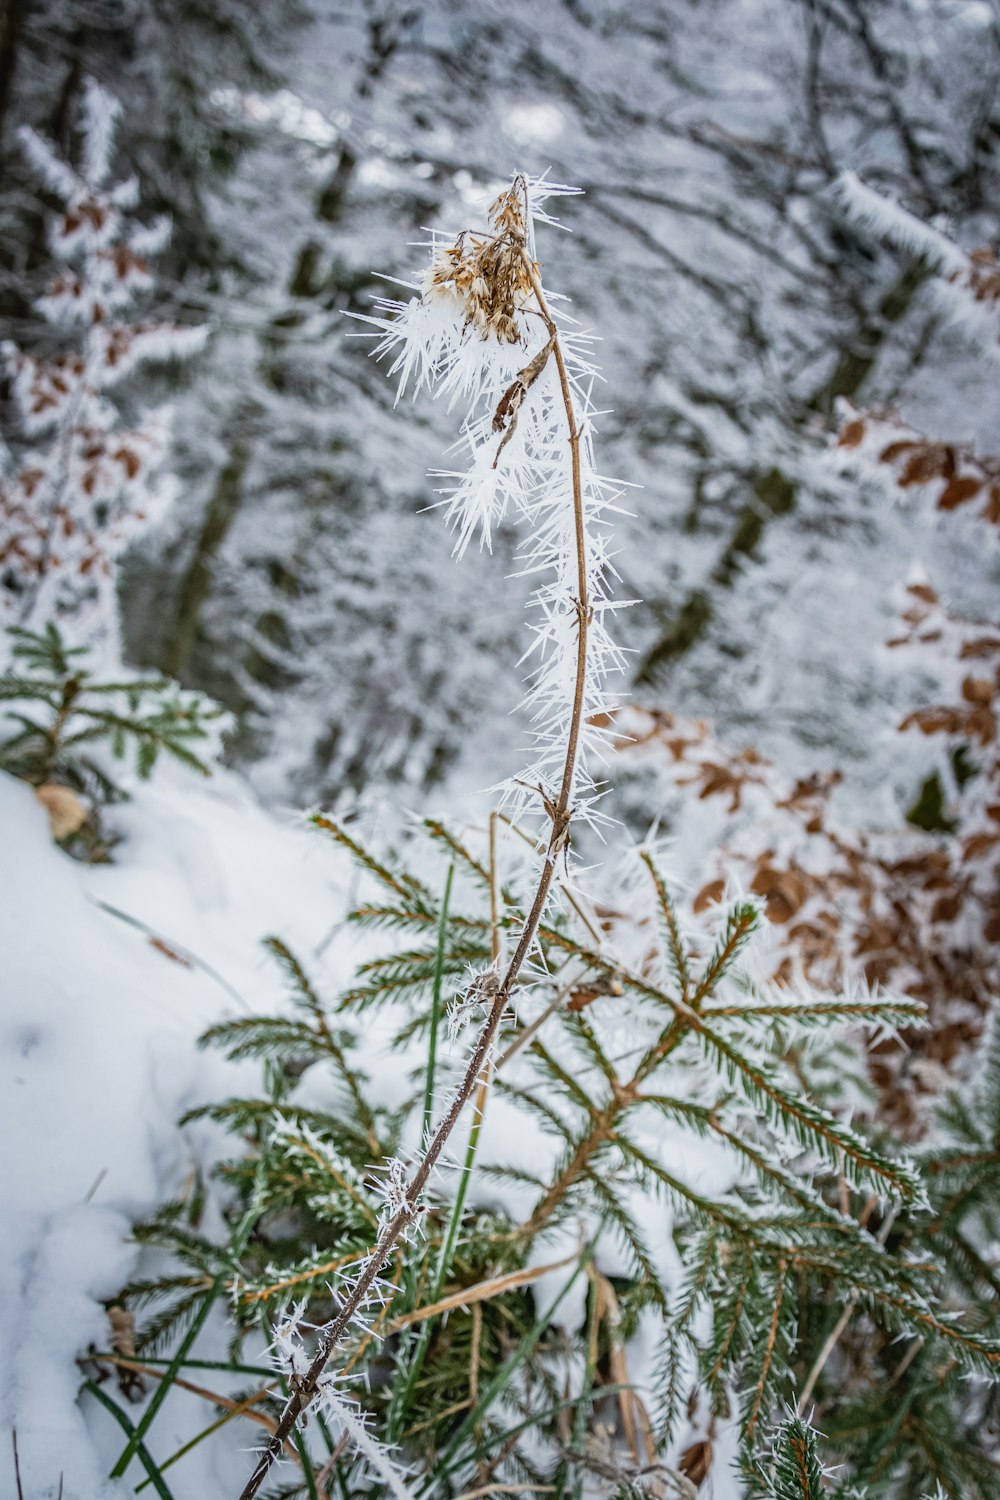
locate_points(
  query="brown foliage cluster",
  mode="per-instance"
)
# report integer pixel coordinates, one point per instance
(75, 502)
(958, 476)
(983, 276)
(72, 517)
(912, 911)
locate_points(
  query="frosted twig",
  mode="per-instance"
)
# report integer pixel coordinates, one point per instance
(484, 286)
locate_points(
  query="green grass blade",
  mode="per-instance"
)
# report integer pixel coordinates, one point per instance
(436, 1000)
(136, 1445)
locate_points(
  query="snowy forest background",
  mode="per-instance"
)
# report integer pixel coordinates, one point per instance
(769, 329)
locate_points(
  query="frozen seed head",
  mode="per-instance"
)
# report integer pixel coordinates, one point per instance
(488, 274)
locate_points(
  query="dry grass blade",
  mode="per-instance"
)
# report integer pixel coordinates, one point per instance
(481, 1292)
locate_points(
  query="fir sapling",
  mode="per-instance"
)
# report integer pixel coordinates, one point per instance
(66, 728)
(651, 1042)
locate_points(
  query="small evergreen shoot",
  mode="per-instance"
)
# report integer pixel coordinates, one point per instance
(793, 1472)
(67, 725)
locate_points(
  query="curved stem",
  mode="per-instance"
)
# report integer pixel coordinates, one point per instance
(560, 812)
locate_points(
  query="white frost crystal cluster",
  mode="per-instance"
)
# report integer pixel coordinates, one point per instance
(478, 333)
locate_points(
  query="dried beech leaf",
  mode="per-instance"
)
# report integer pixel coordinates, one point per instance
(958, 491)
(67, 813)
(928, 463)
(852, 435)
(896, 450)
(709, 895)
(978, 690)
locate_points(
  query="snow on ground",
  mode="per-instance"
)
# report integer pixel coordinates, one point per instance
(98, 1059)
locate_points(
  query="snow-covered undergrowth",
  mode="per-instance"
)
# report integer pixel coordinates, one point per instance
(99, 1059)
(111, 973)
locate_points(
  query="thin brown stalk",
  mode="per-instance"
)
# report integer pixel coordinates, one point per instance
(571, 900)
(494, 892)
(630, 1404)
(17, 1464)
(524, 1036)
(833, 1337)
(439, 1416)
(479, 1108)
(507, 1489)
(499, 1458)
(331, 1464)
(313, 1274)
(481, 1292)
(907, 1360)
(474, 1351)
(829, 1344)
(560, 813)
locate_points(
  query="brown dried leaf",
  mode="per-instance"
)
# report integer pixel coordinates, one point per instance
(946, 908)
(852, 435)
(896, 450)
(958, 491)
(983, 645)
(923, 591)
(933, 721)
(935, 461)
(67, 813)
(980, 843)
(978, 690)
(696, 1461)
(783, 890)
(129, 461)
(709, 895)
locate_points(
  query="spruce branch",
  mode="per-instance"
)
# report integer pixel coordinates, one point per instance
(793, 1471)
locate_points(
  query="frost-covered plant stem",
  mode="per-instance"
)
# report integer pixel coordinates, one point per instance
(559, 811)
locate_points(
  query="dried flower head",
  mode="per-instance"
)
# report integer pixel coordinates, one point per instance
(487, 273)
